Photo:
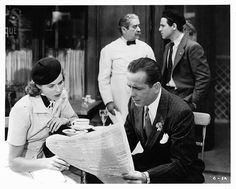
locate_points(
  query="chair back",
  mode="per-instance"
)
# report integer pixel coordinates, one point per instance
(202, 119)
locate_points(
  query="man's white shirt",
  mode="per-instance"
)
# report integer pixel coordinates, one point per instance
(114, 60)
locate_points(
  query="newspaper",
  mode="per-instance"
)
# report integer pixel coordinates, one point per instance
(104, 152)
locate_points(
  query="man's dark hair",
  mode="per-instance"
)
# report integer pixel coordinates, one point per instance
(150, 67)
(173, 16)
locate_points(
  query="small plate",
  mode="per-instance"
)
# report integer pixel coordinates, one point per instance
(69, 132)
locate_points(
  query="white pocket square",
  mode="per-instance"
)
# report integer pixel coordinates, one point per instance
(164, 138)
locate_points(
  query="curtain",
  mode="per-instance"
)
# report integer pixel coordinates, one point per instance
(72, 62)
(18, 66)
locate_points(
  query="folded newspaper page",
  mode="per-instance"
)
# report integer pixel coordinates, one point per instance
(104, 152)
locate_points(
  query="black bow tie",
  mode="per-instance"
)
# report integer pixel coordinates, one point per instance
(131, 42)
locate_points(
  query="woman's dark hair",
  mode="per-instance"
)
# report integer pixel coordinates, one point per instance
(31, 89)
(150, 67)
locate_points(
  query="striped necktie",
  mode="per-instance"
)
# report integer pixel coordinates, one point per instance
(147, 123)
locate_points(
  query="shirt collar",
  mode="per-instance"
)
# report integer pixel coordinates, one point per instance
(38, 105)
(178, 39)
(45, 100)
(154, 106)
(125, 41)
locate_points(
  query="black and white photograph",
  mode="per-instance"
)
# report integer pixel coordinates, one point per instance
(125, 93)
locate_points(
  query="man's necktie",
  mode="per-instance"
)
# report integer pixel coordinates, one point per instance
(147, 123)
(169, 63)
(131, 42)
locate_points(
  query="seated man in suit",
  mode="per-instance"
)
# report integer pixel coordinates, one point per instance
(164, 124)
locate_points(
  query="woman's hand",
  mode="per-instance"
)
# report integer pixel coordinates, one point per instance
(56, 163)
(20, 164)
(55, 123)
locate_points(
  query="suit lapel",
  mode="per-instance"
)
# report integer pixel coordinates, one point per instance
(180, 50)
(159, 120)
(165, 58)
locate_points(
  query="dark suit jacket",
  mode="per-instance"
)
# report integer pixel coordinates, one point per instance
(191, 72)
(175, 161)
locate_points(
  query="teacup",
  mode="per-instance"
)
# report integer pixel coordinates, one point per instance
(80, 121)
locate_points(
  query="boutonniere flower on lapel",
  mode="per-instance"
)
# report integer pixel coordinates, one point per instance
(159, 125)
(164, 138)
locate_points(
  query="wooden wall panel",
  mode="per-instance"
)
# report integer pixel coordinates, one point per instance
(91, 56)
(156, 41)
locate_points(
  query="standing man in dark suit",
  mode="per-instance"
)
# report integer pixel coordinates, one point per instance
(185, 70)
(164, 124)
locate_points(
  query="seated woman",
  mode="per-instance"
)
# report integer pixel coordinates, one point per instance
(35, 116)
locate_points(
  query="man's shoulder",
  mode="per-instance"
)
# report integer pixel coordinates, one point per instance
(142, 43)
(191, 43)
(176, 103)
(113, 43)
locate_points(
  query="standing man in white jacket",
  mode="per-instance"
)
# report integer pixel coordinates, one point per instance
(114, 60)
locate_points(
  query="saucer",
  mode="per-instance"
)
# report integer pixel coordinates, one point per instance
(72, 132)
(69, 132)
(81, 127)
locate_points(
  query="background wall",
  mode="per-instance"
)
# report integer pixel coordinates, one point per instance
(90, 28)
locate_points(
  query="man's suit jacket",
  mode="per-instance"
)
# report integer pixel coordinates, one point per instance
(191, 72)
(174, 161)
